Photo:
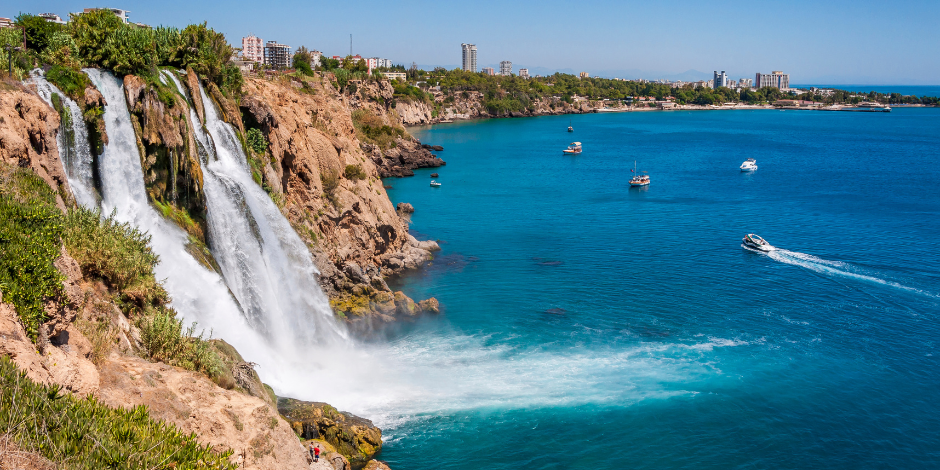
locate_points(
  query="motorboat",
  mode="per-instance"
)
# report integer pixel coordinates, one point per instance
(756, 243)
(435, 184)
(574, 148)
(638, 179)
(749, 165)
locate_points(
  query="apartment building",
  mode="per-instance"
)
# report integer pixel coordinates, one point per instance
(469, 57)
(252, 49)
(524, 73)
(276, 55)
(775, 79)
(505, 68)
(720, 79)
(489, 71)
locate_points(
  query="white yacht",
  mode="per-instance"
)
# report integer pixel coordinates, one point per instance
(755, 243)
(749, 165)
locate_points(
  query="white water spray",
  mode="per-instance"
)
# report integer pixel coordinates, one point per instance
(72, 140)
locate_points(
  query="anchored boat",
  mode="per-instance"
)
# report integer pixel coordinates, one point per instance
(435, 184)
(749, 165)
(574, 148)
(755, 243)
(638, 179)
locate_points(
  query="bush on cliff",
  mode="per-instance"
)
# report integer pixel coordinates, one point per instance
(354, 172)
(117, 253)
(371, 129)
(84, 433)
(30, 230)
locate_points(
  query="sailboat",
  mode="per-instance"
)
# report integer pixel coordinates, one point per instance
(570, 129)
(639, 180)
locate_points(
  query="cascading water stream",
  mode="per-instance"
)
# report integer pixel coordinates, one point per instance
(74, 149)
(196, 292)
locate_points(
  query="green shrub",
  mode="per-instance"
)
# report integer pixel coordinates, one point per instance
(117, 253)
(70, 81)
(30, 233)
(85, 433)
(165, 339)
(354, 172)
(256, 141)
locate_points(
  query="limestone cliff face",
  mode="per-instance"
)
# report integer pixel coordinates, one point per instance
(469, 105)
(414, 113)
(331, 190)
(28, 128)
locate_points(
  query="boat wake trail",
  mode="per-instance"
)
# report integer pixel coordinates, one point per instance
(839, 268)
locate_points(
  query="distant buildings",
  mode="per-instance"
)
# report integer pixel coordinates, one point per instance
(386, 63)
(122, 14)
(315, 58)
(6, 23)
(489, 71)
(775, 79)
(720, 80)
(51, 17)
(745, 83)
(584, 75)
(276, 55)
(394, 75)
(469, 57)
(252, 49)
(524, 73)
(505, 68)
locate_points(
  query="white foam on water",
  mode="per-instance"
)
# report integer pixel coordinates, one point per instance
(837, 268)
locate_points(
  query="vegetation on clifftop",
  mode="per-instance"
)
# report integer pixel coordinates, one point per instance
(83, 433)
(100, 39)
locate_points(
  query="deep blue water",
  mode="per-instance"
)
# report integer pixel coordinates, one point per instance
(916, 90)
(594, 326)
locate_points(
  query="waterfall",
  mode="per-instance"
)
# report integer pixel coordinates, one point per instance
(72, 140)
(196, 292)
(265, 264)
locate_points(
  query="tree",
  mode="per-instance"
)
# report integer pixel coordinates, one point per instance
(301, 61)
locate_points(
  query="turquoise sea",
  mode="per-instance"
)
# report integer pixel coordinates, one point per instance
(591, 325)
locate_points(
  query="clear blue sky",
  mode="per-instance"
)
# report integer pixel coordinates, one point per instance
(844, 42)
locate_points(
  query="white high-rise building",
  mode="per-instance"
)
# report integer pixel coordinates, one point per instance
(505, 68)
(524, 73)
(469, 57)
(775, 79)
(720, 80)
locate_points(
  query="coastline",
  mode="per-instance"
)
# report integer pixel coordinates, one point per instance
(634, 109)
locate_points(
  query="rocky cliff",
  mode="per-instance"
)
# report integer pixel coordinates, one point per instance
(331, 191)
(28, 128)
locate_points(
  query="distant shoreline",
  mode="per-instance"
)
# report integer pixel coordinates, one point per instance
(740, 107)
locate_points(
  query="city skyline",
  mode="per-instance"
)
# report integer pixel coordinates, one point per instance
(838, 42)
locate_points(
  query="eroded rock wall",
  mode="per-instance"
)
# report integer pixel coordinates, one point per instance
(28, 128)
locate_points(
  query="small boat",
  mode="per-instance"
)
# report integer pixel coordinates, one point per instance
(638, 179)
(570, 129)
(756, 243)
(749, 165)
(435, 184)
(573, 149)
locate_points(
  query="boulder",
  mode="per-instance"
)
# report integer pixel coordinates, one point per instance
(405, 208)
(376, 465)
(355, 438)
(434, 175)
(430, 305)
(355, 273)
(437, 148)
